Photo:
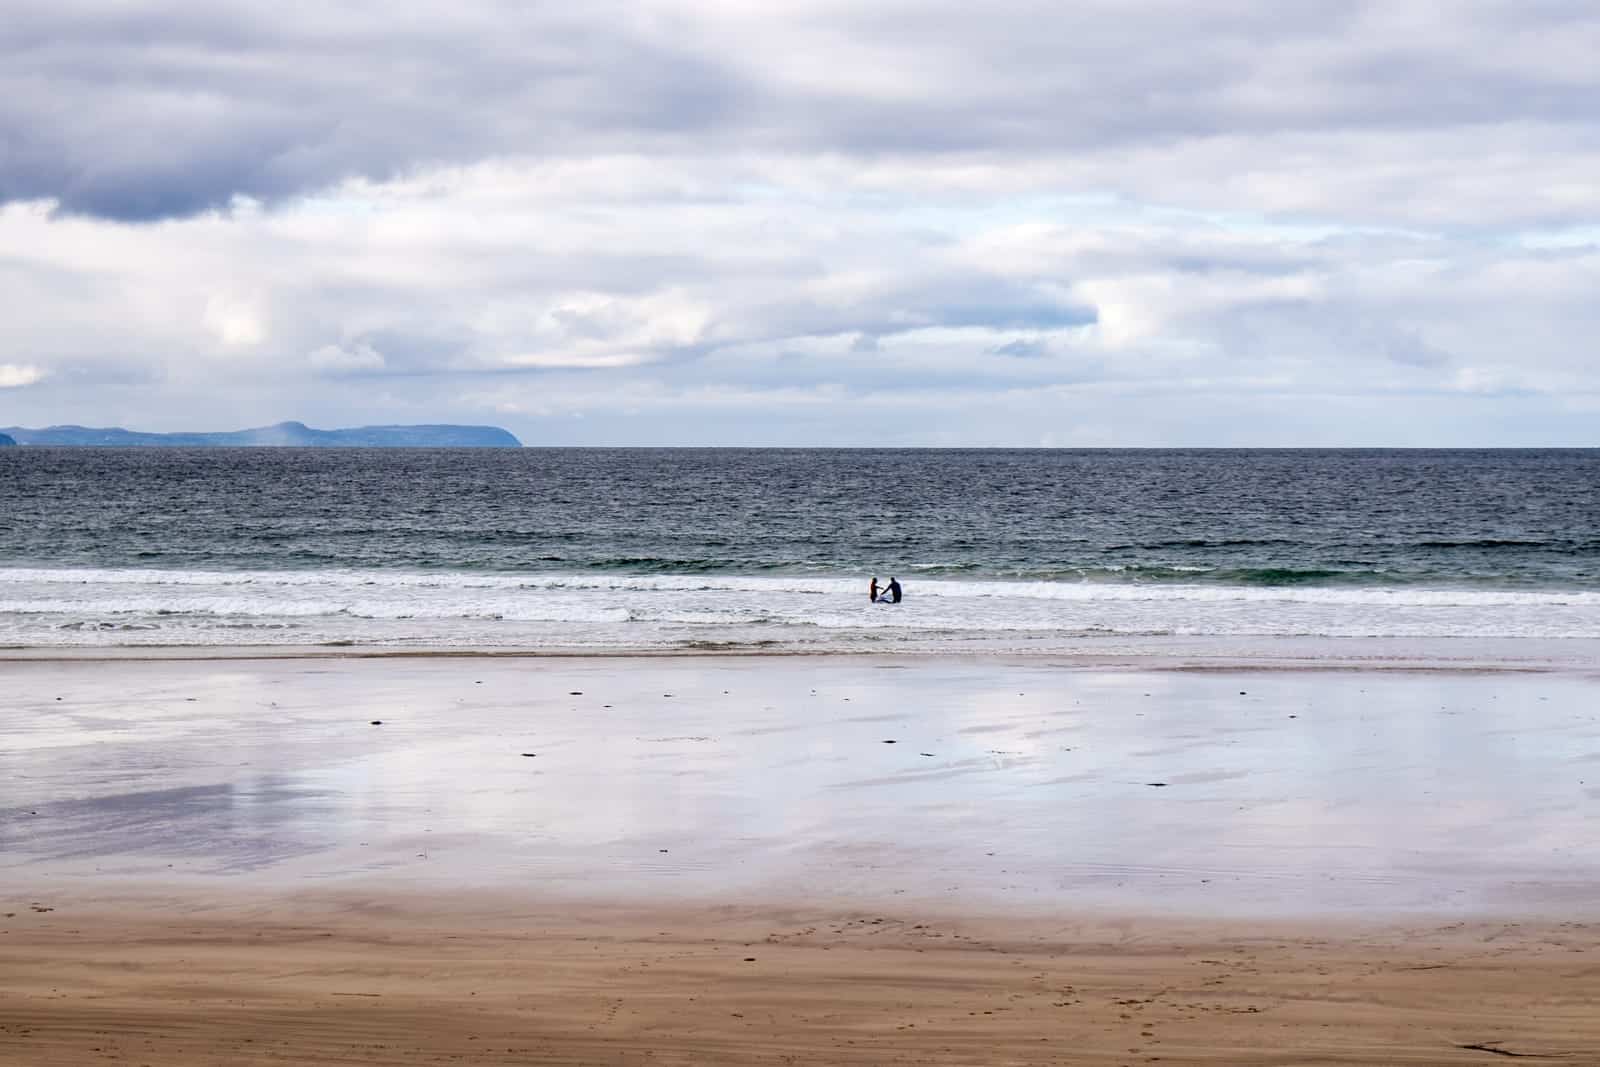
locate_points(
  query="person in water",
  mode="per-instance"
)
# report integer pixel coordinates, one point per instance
(891, 592)
(872, 590)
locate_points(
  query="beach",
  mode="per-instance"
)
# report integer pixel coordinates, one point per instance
(819, 859)
(818, 533)
(392, 979)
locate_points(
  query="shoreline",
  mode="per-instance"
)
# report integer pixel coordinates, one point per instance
(398, 903)
(1504, 654)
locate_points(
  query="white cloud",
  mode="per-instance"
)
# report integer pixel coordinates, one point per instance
(359, 356)
(234, 321)
(572, 361)
(19, 375)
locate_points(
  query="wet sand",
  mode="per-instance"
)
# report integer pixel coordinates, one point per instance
(807, 860)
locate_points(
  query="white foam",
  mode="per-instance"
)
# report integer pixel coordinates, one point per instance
(940, 588)
(116, 606)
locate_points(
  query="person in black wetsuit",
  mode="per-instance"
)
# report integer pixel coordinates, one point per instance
(892, 590)
(872, 590)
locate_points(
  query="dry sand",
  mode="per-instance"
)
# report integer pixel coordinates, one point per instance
(396, 981)
(713, 861)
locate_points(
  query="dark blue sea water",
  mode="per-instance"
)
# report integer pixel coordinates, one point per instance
(665, 547)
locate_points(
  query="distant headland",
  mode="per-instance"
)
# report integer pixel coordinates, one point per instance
(282, 435)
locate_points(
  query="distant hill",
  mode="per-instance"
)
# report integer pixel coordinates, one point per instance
(6, 441)
(283, 435)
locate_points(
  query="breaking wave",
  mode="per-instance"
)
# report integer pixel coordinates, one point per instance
(54, 606)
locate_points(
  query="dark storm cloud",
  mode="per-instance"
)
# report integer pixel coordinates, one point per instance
(156, 110)
(160, 112)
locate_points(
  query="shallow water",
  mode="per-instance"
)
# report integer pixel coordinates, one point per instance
(1016, 785)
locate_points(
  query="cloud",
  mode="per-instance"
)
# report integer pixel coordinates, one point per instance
(235, 322)
(519, 274)
(19, 375)
(160, 111)
(348, 358)
(1022, 349)
(735, 223)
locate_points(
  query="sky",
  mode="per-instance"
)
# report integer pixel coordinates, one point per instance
(813, 223)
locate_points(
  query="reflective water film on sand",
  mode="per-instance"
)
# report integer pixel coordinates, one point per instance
(979, 783)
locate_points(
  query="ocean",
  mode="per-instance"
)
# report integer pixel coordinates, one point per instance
(652, 549)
